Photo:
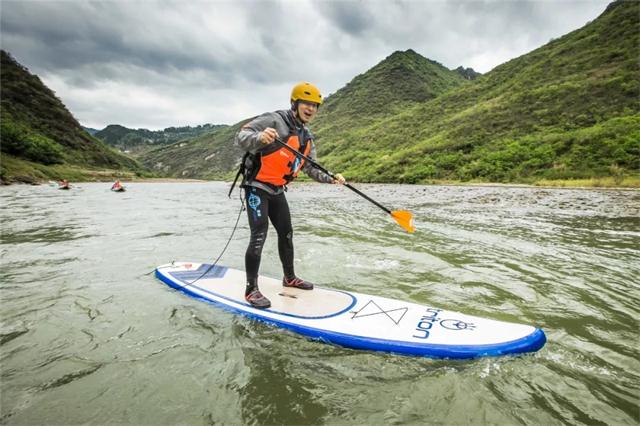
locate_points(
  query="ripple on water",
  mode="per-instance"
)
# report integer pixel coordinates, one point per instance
(83, 322)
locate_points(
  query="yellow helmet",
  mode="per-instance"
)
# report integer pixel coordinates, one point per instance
(306, 92)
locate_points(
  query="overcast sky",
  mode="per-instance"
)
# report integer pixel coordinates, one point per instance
(155, 64)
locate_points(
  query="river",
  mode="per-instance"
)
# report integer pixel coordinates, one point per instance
(90, 336)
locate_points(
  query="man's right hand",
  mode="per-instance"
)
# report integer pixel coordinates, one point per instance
(268, 135)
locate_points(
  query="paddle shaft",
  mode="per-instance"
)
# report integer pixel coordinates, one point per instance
(331, 175)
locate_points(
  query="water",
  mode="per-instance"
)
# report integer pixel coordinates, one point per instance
(89, 336)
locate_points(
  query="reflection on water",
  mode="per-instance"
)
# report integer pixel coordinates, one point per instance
(89, 336)
(51, 234)
(277, 390)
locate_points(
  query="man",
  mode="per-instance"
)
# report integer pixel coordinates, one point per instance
(64, 184)
(268, 168)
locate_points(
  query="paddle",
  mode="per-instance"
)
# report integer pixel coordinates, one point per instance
(402, 217)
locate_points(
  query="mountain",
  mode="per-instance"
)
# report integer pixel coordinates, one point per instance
(211, 155)
(112, 134)
(569, 109)
(467, 73)
(90, 130)
(401, 80)
(41, 139)
(140, 140)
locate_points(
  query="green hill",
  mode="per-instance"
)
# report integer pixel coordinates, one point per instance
(400, 80)
(42, 140)
(567, 110)
(141, 140)
(112, 134)
(209, 156)
(467, 73)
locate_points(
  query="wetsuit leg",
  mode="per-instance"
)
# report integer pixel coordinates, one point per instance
(281, 219)
(257, 211)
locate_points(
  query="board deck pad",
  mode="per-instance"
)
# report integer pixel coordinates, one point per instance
(355, 320)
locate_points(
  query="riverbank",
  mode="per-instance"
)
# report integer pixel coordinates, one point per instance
(13, 170)
(629, 184)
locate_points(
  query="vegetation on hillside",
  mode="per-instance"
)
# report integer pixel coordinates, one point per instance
(36, 128)
(467, 73)
(141, 140)
(567, 110)
(401, 80)
(212, 155)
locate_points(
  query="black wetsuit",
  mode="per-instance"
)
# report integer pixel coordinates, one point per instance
(263, 207)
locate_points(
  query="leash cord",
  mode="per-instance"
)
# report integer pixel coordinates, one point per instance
(242, 208)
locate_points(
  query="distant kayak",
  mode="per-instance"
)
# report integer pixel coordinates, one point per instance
(117, 186)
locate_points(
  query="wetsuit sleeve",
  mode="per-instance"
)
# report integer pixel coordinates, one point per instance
(312, 172)
(248, 138)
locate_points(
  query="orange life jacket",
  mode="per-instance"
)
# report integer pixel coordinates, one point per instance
(279, 166)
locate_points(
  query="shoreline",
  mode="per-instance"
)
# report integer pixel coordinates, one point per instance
(309, 182)
(165, 180)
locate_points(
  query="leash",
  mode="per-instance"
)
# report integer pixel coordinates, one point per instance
(242, 208)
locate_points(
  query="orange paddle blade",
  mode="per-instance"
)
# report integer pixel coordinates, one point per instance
(404, 219)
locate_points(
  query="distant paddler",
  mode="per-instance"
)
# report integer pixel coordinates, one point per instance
(117, 186)
(64, 184)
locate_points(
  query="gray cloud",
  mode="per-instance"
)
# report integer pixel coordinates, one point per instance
(351, 17)
(156, 64)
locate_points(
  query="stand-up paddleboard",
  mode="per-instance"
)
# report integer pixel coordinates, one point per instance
(357, 320)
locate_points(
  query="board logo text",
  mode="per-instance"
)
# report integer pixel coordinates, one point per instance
(426, 322)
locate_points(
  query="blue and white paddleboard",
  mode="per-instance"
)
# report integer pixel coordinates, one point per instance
(357, 320)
